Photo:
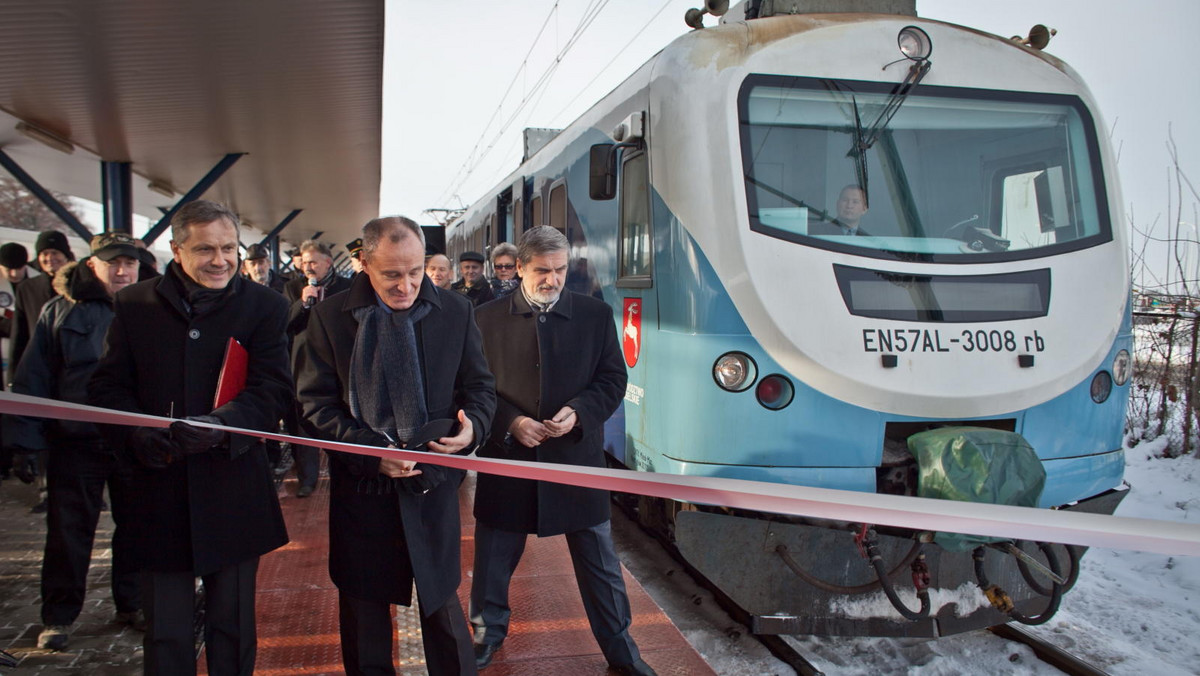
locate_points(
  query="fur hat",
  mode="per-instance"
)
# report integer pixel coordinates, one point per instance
(14, 256)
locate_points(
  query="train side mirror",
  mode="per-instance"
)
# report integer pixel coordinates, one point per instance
(602, 172)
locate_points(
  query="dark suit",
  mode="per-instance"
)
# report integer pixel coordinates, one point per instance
(207, 514)
(568, 356)
(835, 227)
(381, 539)
(308, 458)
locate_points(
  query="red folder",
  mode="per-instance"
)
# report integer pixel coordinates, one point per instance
(233, 374)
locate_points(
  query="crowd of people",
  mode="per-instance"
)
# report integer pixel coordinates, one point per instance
(398, 355)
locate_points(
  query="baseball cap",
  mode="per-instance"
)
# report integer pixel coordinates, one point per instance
(109, 245)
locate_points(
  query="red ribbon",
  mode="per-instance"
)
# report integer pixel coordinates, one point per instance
(921, 514)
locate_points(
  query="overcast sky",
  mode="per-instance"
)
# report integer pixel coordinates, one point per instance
(448, 65)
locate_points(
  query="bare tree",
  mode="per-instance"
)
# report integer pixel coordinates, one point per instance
(20, 209)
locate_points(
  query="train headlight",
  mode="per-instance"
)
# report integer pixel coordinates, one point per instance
(1122, 367)
(735, 371)
(1101, 387)
(775, 392)
(914, 43)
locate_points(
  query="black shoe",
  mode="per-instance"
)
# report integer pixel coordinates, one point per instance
(638, 668)
(304, 491)
(484, 653)
(54, 637)
(40, 508)
(135, 619)
(103, 506)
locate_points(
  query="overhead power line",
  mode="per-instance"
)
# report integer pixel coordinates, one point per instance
(590, 13)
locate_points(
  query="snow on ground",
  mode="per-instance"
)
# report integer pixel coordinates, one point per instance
(1130, 613)
(1134, 612)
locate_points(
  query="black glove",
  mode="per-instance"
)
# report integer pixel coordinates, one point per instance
(365, 436)
(427, 480)
(152, 446)
(192, 439)
(25, 465)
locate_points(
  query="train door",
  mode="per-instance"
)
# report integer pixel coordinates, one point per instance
(519, 220)
(504, 216)
(636, 301)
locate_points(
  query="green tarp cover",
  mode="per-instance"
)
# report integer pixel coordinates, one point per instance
(976, 464)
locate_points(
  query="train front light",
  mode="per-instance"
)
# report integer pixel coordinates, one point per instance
(914, 43)
(734, 371)
(1102, 384)
(1122, 367)
(775, 392)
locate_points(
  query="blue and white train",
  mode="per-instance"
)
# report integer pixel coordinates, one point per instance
(986, 285)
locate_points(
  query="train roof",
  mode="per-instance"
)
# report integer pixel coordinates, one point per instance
(172, 88)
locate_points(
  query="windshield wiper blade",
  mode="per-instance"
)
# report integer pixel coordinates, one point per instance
(915, 75)
(859, 150)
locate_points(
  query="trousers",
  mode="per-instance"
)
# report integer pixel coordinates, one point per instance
(230, 636)
(366, 632)
(75, 479)
(597, 571)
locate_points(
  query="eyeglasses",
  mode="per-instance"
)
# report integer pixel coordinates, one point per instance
(504, 266)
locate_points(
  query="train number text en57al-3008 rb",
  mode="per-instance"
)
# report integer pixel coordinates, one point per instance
(890, 341)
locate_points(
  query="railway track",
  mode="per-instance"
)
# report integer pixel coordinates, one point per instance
(804, 665)
(1047, 652)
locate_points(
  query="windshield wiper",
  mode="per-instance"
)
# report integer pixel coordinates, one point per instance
(863, 142)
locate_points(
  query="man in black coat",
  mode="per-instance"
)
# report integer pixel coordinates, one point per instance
(375, 364)
(559, 375)
(473, 284)
(257, 268)
(319, 281)
(52, 252)
(57, 364)
(205, 501)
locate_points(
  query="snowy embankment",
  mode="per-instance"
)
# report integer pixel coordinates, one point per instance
(1133, 612)
(1130, 613)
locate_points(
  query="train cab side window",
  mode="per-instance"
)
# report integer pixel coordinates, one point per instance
(518, 219)
(635, 255)
(1034, 206)
(535, 212)
(558, 207)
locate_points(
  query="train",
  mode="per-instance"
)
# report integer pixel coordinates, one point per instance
(824, 238)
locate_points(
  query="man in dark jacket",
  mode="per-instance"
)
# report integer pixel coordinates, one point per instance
(53, 252)
(257, 268)
(205, 504)
(57, 364)
(559, 375)
(375, 364)
(472, 283)
(14, 270)
(320, 281)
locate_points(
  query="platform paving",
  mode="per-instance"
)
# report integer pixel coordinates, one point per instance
(297, 606)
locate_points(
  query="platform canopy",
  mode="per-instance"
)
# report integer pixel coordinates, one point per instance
(173, 87)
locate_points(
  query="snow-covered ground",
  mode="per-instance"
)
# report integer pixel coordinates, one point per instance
(1130, 613)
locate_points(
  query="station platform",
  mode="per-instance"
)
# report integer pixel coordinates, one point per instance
(549, 634)
(297, 606)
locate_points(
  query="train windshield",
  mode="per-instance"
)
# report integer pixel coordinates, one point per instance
(951, 173)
